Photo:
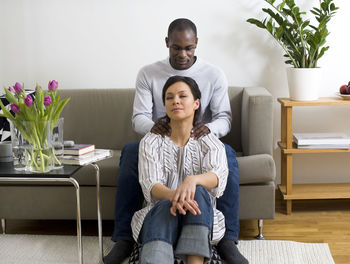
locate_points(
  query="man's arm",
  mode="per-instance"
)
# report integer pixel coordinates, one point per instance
(220, 108)
(143, 106)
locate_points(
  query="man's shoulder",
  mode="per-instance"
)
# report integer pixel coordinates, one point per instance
(153, 67)
(209, 66)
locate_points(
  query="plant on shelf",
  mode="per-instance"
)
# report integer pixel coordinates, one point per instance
(35, 118)
(302, 42)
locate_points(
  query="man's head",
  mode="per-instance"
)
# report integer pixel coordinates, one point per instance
(182, 42)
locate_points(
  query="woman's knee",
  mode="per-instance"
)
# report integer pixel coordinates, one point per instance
(160, 224)
(161, 211)
(202, 195)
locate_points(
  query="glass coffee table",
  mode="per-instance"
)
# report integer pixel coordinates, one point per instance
(10, 175)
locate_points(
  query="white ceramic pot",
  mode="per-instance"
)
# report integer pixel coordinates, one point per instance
(304, 83)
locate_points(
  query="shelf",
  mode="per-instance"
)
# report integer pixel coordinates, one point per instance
(317, 191)
(295, 150)
(326, 101)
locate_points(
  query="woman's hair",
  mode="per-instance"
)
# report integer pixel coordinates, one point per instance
(193, 87)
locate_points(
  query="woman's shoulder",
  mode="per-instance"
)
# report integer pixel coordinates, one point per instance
(210, 140)
(152, 139)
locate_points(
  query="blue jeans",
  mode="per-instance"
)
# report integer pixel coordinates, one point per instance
(129, 195)
(189, 234)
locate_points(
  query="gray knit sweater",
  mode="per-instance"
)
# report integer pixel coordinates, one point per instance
(215, 105)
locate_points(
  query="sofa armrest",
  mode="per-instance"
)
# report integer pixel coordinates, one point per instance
(257, 121)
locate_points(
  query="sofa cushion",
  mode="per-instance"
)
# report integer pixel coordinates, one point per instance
(256, 169)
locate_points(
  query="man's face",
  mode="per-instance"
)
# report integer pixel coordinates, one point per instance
(182, 45)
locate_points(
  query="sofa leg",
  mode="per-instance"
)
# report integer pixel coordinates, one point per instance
(260, 227)
(3, 225)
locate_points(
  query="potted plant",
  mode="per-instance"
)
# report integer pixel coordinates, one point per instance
(302, 42)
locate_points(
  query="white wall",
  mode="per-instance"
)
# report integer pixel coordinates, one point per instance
(103, 43)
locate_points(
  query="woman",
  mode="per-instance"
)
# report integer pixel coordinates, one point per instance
(180, 178)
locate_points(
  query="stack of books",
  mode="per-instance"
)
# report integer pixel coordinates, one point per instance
(82, 154)
(321, 140)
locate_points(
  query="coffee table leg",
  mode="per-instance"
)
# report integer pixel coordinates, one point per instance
(79, 237)
(99, 217)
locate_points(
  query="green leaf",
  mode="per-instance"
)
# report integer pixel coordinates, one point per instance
(59, 108)
(269, 26)
(323, 50)
(279, 32)
(6, 113)
(10, 97)
(305, 24)
(281, 5)
(324, 6)
(256, 22)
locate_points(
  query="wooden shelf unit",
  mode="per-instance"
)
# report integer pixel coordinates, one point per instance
(292, 191)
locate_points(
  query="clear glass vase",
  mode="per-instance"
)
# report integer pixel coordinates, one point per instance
(32, 146)
(57, 141)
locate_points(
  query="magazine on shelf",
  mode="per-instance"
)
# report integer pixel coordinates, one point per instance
(79, 149)
(93, 156)
(321, 139)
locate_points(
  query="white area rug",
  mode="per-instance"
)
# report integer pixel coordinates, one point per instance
(40, 249)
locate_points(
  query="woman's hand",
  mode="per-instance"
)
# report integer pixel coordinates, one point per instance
(183, 199)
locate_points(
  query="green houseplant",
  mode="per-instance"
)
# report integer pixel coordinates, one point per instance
(303, 43)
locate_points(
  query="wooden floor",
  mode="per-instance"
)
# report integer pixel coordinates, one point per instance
(318, 221)
(314, 221)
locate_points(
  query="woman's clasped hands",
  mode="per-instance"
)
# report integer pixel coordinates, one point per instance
(183, 198)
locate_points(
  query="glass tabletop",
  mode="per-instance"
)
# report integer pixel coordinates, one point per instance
(7, 170)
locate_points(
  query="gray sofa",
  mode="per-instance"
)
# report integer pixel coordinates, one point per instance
(103, 117)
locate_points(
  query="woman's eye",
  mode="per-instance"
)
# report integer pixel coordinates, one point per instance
(168, 98)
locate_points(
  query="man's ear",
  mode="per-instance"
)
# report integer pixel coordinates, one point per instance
(167, 42)
(196, 104)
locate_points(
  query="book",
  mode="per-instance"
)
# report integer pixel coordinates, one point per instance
(321, 139)
(325, 146)
(79, 149)
(95, 155)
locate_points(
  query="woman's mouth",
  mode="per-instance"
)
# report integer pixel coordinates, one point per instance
(176, 109)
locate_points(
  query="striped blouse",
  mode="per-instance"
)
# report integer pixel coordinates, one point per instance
(162, 161)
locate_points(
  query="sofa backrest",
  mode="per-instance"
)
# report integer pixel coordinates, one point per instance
(103, 117)
(99, 116)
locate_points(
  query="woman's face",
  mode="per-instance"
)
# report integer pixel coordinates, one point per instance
(179, 102)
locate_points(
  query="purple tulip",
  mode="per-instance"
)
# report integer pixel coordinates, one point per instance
(11, 90)
(28, 101)
(47, 100)
(15, 108)
(53, 85)
(18, 88)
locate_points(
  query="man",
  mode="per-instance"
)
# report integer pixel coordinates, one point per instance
(215, 117)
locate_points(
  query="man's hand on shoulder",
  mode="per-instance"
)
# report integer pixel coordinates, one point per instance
(161, 128)
(200, 130)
